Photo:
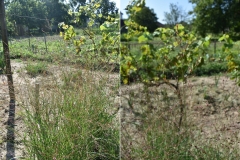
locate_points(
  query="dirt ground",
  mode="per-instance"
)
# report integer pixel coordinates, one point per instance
(4, 112)
(22, 81)
(212, 106)
(212, 109)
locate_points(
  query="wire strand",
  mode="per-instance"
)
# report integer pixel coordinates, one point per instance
(32, 17)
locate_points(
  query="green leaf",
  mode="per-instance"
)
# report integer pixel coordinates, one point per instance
(221, 38)
(125, 80)
(97, 5)
(181, 33)
(163, 37)
(206, 44)
(137, 9)
(175, 44)
(207, 38)
(179, 27)
(145, 49)
(102, 28)
(200, 42)
(142, 38)
(156, 33)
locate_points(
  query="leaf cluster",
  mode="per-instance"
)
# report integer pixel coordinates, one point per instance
(233, 65)
(106, 45)
(181, 52)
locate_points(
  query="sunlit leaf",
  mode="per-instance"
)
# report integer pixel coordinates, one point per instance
(102, 27)
(142, 38)
(206, 44)
(125, 80)
(97, 5)
(175, 44)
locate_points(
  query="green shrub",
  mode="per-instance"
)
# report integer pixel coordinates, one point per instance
(235, 36)
(211, 68)
(35, 69)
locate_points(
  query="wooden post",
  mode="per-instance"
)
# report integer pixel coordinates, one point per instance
(29, 41)
(45, 40)
(6, 50)
(37, 98)
(215, 46)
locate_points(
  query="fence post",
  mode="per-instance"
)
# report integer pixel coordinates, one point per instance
(37, 98)
(215, 46)
(29, 42)
(45, 40)
(129, 46)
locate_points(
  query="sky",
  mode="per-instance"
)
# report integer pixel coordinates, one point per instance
(159, 6)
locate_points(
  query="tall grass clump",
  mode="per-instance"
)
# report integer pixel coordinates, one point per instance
(71, 122)
(34, 69)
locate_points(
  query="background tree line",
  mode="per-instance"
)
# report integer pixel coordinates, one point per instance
(208, 16)
(45, 15)
(216, 16)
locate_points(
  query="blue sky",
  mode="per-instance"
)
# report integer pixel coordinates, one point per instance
(159, 6)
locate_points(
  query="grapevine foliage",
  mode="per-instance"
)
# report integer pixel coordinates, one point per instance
(180, 52)
(104, 47)
(233, 66)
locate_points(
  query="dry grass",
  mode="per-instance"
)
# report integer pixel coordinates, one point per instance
(211, 120)
(93, 96)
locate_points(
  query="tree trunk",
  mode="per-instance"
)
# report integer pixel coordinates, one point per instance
(11, 117)
(6, 50)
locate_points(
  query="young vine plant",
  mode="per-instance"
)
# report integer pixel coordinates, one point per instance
(104, 48)
(180, 52)
(231, 58)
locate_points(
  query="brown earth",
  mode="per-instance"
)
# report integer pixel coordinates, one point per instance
(24, 85)
(212, 106)
(212, 110)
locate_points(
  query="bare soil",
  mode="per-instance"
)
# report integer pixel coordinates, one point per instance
(4, 114)
(212, 110)
(22, 83)
(212, 103)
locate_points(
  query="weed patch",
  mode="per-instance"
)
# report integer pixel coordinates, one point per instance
(36, 69)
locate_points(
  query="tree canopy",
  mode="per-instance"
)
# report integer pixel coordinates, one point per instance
(36, 14)
(74, 4)
(146, 17)
(46, 14)
(26, 12)
(106, 8)
(176, 15)
(216, 16)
